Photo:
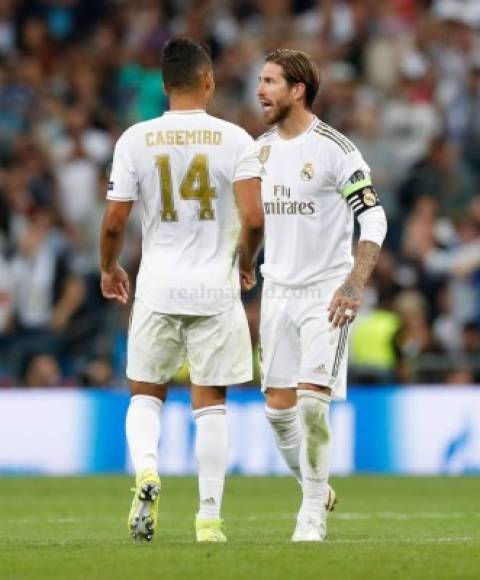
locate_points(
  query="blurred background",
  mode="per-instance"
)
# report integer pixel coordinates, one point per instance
(401, 78)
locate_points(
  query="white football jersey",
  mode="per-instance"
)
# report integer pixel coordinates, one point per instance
(181, 167)
(310, 185)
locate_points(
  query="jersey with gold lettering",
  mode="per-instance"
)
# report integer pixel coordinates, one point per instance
(310, 185)
(181, 167)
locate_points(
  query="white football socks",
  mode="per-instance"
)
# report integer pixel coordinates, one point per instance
(288, 435)
(314, 451)
(143, 429)
(211, 454)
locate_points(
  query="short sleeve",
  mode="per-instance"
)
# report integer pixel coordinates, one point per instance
(247, 164)
(123, 183)
(351, 172)
(353, 181)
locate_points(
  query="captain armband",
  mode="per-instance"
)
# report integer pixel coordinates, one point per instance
(360, 194)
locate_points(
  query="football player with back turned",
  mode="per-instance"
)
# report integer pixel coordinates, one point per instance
(188, 171)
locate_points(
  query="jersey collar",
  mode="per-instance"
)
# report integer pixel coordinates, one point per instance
(184, 112)
(298, 137)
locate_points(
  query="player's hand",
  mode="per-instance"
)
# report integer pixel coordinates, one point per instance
(248, 279)
(115, 285)
(344, 304)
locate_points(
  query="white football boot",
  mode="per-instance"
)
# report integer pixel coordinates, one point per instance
(314, 529)
(310, 529)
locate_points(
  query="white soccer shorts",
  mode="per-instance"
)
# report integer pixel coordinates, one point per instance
(298, 343)
(218, 348)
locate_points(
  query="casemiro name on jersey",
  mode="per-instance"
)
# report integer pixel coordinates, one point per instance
(182, 137)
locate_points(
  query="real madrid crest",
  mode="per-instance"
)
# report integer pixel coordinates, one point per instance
(264, 154)
(307, 172)
(369, 197)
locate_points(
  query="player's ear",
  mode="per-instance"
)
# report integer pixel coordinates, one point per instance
(209, 82)
(209, 79)
(299, 91)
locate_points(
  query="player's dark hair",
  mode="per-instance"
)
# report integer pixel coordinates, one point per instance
(183, 62)
(298, 67)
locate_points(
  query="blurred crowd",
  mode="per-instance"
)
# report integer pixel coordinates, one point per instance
(400, 77)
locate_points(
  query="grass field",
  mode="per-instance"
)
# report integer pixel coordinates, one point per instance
(384, 527)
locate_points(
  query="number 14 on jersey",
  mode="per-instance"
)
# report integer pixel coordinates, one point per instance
(195, 186)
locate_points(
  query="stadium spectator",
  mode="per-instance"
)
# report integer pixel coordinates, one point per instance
(43, 370)
(400, 77)
(46, 293)
(97, 373)
(77, 154)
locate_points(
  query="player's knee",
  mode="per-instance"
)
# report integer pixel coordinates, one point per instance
(203, 397)
(314, 411)
(281, 398)
(280, 419)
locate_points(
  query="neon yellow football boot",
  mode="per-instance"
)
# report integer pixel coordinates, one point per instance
(142, 519)
(209, 530)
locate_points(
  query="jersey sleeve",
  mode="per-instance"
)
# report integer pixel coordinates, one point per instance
(354, 184)
(247, 164)
(353, 181)
(123, 183)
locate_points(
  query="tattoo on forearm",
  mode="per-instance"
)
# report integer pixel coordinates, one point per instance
(351, 290)
(367, 256)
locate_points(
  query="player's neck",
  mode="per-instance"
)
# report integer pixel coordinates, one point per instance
(295, 124)
(184, 102)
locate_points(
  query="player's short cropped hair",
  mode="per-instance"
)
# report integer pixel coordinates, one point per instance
(298, 67)
(184, 59)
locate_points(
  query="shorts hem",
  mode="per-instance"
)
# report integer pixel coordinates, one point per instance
(221, 381)
(151, 380)
(319, 380)
(278, 385)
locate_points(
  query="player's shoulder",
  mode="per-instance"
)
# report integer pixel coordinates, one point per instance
(136, 129)
(267, 137)
(229, 128)
(331, 139)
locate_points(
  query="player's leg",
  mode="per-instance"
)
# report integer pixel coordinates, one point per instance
(219, 353)
(313, 405)
(279, 365)
(211, 444)
(143, 428)
(143, 424)
(281, 411)
(155, 352)
(322, 375)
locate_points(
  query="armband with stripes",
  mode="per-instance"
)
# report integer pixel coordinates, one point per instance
(360, 193)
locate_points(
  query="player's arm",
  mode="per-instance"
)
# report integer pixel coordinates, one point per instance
(114, 280)
(248, 195)
(247, 188)
(362, 198)
(122, 192)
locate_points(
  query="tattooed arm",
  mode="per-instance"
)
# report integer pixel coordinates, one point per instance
(349, 295)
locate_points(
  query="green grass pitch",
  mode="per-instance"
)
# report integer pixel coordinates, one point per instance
(384, 527)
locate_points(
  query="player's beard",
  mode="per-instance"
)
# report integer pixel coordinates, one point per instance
(279, 113)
